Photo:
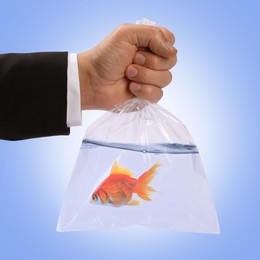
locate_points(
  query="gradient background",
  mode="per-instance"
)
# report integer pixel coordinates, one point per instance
(215, 92)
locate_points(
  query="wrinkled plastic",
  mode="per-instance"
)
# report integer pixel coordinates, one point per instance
(138, 135)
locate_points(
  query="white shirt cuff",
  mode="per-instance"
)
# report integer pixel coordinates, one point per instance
(74, 117)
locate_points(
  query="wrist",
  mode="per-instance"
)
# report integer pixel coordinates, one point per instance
(85, 75)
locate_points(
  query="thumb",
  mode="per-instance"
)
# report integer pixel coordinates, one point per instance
(159, 40)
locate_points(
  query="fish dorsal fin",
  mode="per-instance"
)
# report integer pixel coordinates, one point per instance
(117, 169)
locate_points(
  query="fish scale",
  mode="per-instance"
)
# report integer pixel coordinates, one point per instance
(120, 191)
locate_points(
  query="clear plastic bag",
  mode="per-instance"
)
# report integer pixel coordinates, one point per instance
(138, 165)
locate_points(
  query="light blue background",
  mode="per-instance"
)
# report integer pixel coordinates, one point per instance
(215, 92)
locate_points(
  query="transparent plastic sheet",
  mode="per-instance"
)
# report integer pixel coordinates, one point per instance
(107, 191)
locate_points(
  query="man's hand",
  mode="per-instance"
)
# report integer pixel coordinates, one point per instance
(134, 60)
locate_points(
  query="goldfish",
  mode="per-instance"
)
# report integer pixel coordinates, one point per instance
(118, 188)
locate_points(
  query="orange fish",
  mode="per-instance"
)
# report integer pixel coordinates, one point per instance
(118, 188)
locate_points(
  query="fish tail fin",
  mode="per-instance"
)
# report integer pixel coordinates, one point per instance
(142, 187)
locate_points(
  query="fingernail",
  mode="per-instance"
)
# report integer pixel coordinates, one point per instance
(170, 46)
(132, 72)
(135, 87)
(139, 59)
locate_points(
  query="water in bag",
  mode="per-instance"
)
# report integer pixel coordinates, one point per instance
(138, 165)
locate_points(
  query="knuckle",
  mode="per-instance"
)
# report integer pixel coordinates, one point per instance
(154, 62)
(172, 36)
(151, 93)
(159, 96)
(155, 93)
(147, 90)
(164, 30)
(168, 78)
(145, 76)
(124, 25)
(122, 28)
(156, 29)
(173, 61)
(158, 33)
(168, 34)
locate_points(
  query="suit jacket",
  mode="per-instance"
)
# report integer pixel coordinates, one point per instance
(33, 95)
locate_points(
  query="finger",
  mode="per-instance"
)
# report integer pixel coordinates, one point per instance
(168, 34)
(144, 75)
(143, 36)
(148, 92)
(155, 62)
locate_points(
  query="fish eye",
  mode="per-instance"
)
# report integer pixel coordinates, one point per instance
(94, 198)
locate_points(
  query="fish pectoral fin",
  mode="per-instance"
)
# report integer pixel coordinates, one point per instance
(133, 202)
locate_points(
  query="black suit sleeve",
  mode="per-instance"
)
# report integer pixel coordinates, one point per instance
(33, 95)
